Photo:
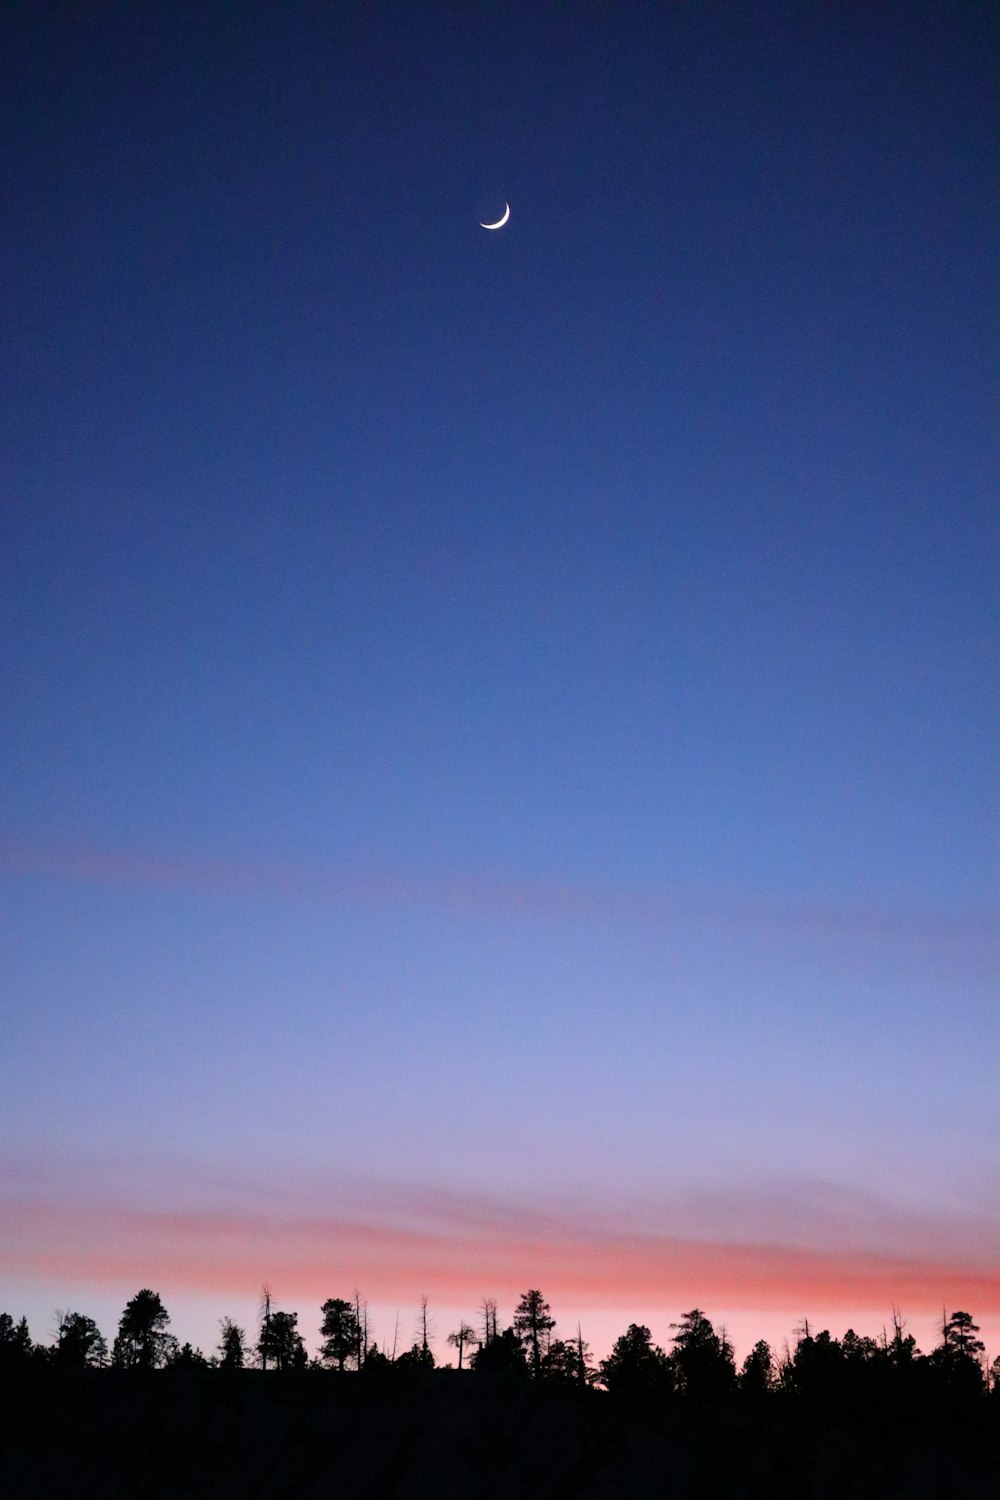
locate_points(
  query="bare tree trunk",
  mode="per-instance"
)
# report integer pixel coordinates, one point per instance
(488, 1307)
(361, 1321)
(265, 1322)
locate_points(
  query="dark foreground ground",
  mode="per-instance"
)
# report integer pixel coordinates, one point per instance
(247, 1437)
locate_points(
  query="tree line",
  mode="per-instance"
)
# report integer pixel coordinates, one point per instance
(818, 1368)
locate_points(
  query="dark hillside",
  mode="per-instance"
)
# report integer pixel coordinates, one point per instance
(175, 1435)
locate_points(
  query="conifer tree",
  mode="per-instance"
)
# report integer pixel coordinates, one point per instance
(232, 1345)
(533, 1323)
(142, 1342)
(340, 1333)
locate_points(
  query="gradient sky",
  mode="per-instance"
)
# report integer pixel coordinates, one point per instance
(498, 728)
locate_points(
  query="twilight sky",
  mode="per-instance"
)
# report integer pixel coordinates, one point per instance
(498, 728)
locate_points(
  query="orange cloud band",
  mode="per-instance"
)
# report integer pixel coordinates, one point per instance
(235, 1252)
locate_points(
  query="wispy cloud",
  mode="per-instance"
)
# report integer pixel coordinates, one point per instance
(394, 1241)
(469, 893)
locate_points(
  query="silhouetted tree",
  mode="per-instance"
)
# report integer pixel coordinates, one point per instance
(264, 1325)
(533, 1323)
(561, 1363)
(898, 1375)
(947, 1394)
(557, 1362)
(143, 1342)
(636, 1367)
(424, 1327)
(232, 1345)
(815, 1370)
(340, 1333)
(958, 1336)
(15, 1342)
(858, 1348)
(281, 1342)
(956, 1362)
(187, 1358)
(586, 1374)
(703, 1358)
(464, 1334)
(902, 1350)
(376, 1364)
(361, 1319)
(417, 1357)
(488, 1309)
(757, 1374)
(79, 1342)
(503, 1355)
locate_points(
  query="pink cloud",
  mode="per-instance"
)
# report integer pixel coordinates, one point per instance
(457, 1256)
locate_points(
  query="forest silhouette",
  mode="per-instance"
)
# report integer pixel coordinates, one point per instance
(856, 1415)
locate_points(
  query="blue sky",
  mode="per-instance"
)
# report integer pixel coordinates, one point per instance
(506, 706)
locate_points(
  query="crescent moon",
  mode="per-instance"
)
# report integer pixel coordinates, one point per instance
(500, 222)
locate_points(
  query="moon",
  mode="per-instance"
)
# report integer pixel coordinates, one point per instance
(500, 222)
